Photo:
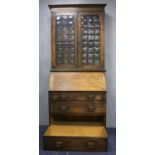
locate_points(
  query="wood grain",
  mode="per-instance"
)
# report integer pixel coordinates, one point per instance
(77, 81)
(76, 131)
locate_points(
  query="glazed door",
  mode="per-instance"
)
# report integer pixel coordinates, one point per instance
(64, 40)
(90, 40)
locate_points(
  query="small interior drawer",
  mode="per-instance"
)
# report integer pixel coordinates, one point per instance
(75, 138)
(77, 96)
(78, 108)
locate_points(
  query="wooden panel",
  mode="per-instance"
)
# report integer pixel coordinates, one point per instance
(77, 81)
(75, 138)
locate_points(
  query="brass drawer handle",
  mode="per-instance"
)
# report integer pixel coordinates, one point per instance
(104, 96)
(91, 96)
(64, 97)
(55, 97)
(59, 144)
(58, 97)
(91, 145)
(63, 107)
(91, 108)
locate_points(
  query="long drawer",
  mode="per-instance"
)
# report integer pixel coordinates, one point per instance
(75, 138)
(78, 108)
(77, 96)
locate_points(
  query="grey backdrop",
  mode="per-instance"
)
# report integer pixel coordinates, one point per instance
(44, 56)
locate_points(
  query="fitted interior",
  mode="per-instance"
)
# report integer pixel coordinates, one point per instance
(76, 131)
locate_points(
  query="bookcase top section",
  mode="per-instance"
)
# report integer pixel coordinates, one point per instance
(77, 81)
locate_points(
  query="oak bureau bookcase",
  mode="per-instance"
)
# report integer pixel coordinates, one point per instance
(77, 85)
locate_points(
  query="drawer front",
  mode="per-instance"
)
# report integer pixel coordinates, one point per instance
(77, 96)
(78, 108)
(75, 144)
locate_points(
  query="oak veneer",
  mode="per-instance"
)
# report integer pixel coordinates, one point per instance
(77, 81)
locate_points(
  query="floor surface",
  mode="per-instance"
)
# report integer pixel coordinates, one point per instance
(111, 145)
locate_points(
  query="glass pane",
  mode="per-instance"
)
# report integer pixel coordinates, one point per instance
(71, 58)
(65, 40)
(90, 40)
